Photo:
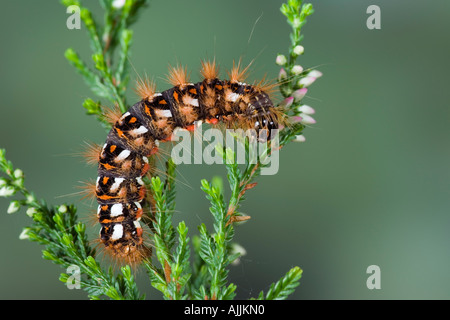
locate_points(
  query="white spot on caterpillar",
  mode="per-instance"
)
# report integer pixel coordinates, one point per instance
(167, 113)
(126, 114)
(140, 130)
(163, 113)
(102, 153)
(137, 225)
(139, 180)
(187, 99)
(194, 102)
(116, 210)
(145, 159)
(123, 155)
(118, 232)
(116, 184)
(233, 97)
(138, 205)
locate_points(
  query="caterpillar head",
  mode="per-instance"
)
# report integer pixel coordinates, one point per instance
(266, 118)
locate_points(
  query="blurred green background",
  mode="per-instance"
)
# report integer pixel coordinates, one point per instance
(369, 186)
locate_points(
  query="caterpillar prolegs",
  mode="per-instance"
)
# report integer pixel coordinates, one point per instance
(124, 158)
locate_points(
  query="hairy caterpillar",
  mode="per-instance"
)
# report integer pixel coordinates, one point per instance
(124, 158)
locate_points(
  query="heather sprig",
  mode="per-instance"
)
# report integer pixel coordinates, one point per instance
(182, 267)
(64, 238)
(293, 78)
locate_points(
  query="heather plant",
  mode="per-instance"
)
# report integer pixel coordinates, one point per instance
(180, 267)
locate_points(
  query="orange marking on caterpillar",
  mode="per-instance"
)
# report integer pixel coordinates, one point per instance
(106, 197)
(142, 192)
(119, 132)
(139, 213)
(147, 111)
(154, 151)
(212, 121)
(145, 169)
(107, 166)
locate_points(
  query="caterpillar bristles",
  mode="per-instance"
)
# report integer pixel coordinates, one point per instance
(209, 69)
(145, 88)
(178, 76)
(92, 218)
(237, 74)
(268, 86)
(132, 254)
(112, 115)
(88, 190)
(91, 153)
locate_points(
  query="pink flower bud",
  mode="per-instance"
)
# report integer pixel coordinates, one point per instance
(307, 119)
(306, 109)
(315, 74)
(296, 119)
(297, 69)
(299, 94)
(281, 60)
(287, 102)
(298, 50)
(306, 81)
(282, 75)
